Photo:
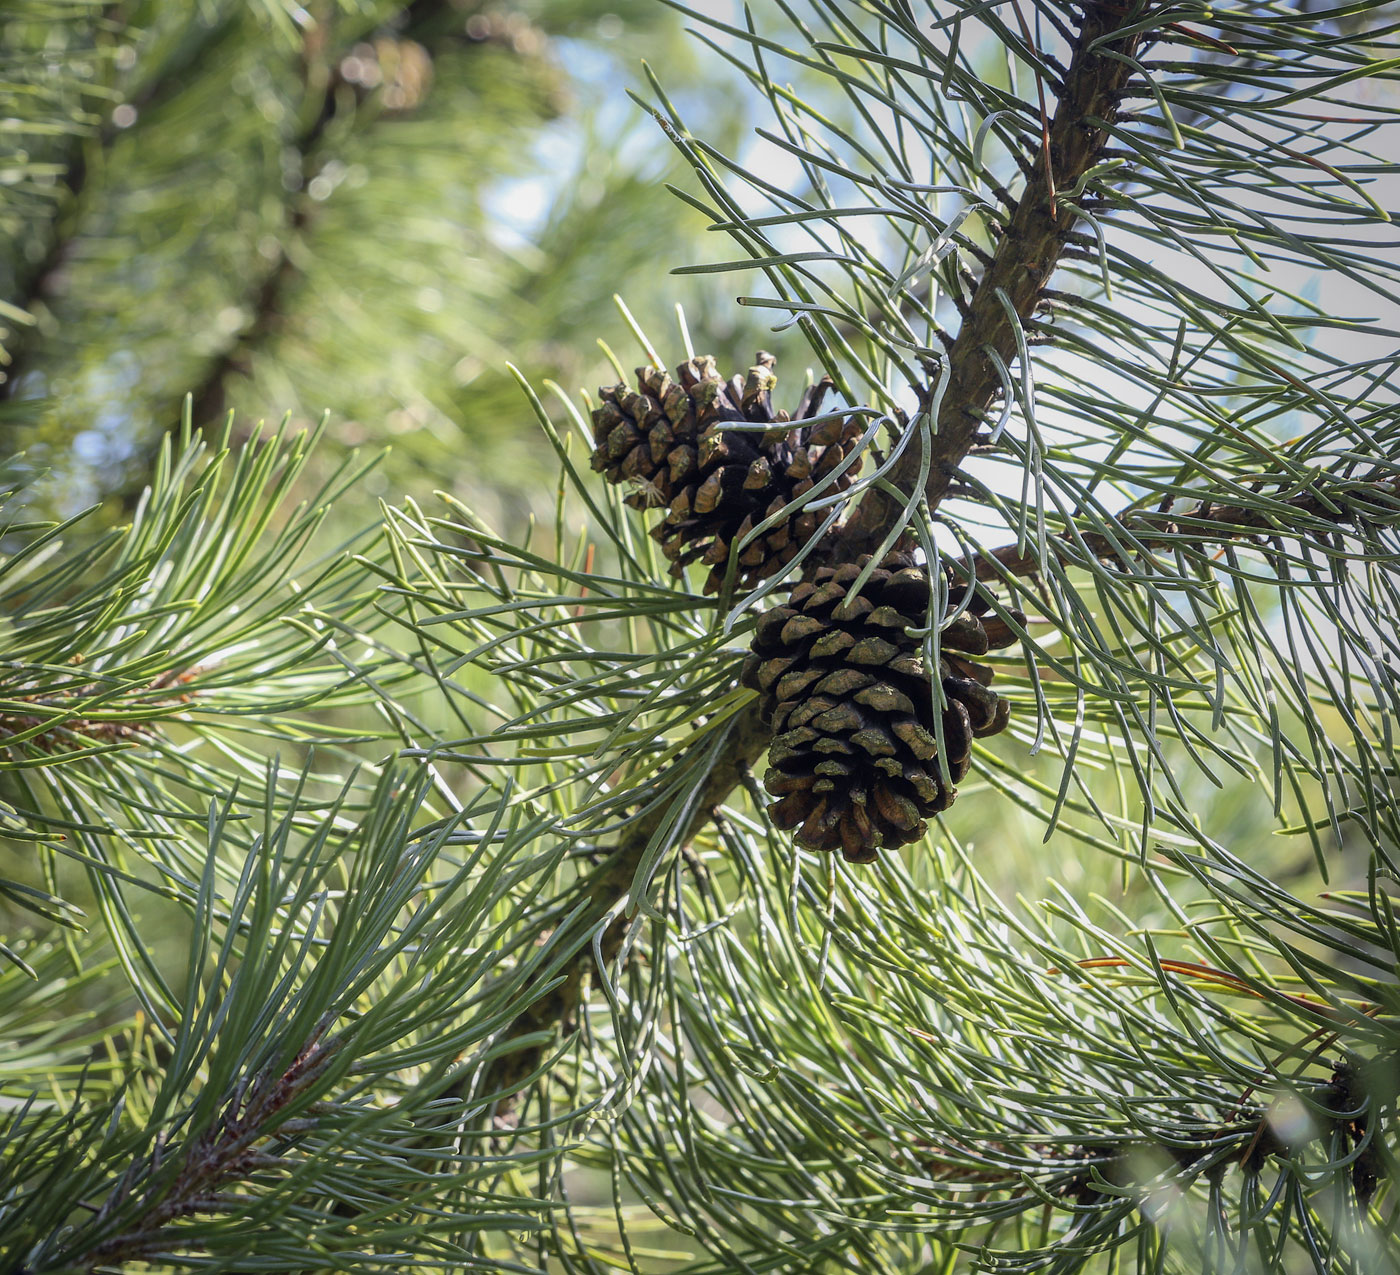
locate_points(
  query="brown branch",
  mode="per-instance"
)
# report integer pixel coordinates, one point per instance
(1026, 255)
(747, 740)
(49, 721)
(228, 1152)
(1206, 522)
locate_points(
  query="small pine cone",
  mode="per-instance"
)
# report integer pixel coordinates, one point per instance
(853, 760)
(669, 439)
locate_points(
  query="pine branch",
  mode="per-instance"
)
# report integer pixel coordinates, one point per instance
(1335, 502)
(1023, 262)
(200, 618)
(1351, 1107)
(919, 939)
(792, 1085)
(1026, 256)
(227, 1153)
(609, 883)
(379, 936)
(45, 719)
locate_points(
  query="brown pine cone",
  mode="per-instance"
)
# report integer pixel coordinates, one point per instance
(668, 438)
(854, 758)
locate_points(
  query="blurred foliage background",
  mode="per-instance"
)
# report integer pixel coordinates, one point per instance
(355, 208)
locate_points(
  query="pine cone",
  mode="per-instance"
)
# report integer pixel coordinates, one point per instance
(669, 438)
(853, 761)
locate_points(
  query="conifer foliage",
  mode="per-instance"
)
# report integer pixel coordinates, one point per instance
(420, 897)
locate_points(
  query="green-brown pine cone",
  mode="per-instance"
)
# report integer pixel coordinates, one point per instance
(854, 757)
(668, 439)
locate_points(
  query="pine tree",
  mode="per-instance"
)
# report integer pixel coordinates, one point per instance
(438, 910)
